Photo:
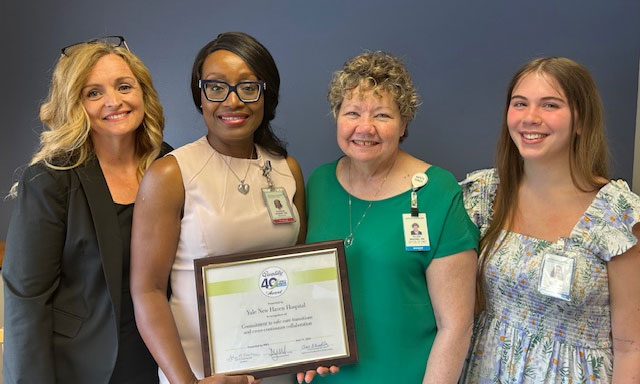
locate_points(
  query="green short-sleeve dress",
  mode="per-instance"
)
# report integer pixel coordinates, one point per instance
(394, 319)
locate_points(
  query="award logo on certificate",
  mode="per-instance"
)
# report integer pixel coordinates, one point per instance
(278, 311)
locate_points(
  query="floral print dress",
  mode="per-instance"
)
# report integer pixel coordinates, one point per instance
(523, 336)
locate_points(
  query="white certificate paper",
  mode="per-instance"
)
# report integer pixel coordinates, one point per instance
(274, 312)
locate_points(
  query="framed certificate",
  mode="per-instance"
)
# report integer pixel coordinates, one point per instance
(277, 311)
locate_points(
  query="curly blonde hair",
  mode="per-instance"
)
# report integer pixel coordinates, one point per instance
(380, 72)
(64, 143)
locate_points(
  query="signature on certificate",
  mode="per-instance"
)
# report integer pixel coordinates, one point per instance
(242, 357)
(316, 346)
(279, 352)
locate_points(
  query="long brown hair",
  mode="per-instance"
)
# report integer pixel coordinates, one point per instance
(588, 155)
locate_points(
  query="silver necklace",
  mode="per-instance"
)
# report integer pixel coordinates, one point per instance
(242, 187)
(348, 241)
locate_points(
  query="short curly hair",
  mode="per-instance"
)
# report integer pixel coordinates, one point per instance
(377, 71)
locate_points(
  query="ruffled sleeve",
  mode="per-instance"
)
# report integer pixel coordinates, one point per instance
(479, 190)
(607, 223)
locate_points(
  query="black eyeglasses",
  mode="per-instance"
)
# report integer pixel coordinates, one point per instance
(116, 41)
(218, 91)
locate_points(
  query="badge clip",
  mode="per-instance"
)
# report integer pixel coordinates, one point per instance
(266, 172)
(418, 181)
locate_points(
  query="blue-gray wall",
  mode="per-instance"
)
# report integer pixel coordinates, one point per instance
(460, 53)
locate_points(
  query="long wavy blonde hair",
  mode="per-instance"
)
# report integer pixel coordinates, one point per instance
(64, 143)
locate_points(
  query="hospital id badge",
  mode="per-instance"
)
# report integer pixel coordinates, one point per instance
(278, 205)
(416, 232)
(556, 276)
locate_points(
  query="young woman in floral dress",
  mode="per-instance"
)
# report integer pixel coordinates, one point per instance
(549, 206)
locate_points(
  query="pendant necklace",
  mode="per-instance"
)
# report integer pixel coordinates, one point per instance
(348, 241)
(242, 187)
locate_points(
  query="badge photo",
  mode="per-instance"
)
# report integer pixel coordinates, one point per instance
(416, 232)
(556, 276)
(277, 203)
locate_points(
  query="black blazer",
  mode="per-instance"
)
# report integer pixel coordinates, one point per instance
(62, 273)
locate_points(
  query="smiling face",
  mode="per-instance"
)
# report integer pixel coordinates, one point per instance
(369, 126)
(231, 123)
(539, 119)
(112, 98)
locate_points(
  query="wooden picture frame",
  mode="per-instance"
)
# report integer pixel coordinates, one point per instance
(277, 311)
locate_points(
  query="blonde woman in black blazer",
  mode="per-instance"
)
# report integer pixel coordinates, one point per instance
(68, 311)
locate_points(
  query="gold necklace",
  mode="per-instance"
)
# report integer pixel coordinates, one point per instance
(242, 187)
(348, 241)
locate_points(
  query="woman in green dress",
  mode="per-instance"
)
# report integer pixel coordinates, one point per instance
(412, 294)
